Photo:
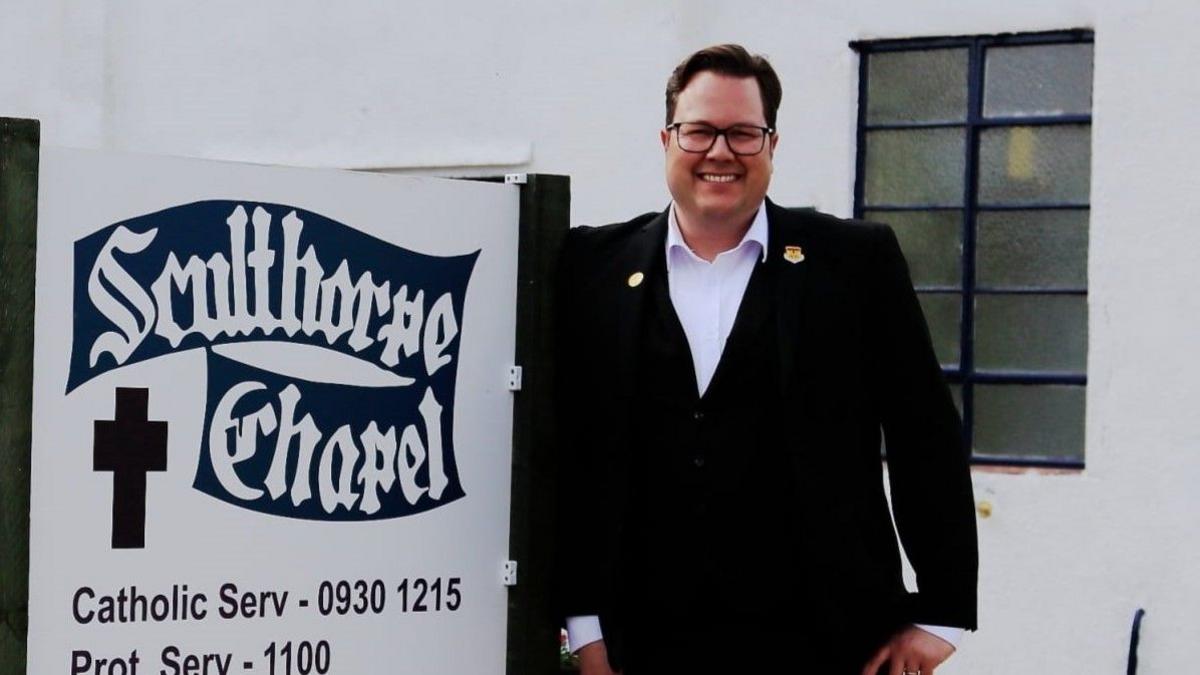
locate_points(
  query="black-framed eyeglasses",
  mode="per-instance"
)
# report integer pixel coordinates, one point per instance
(742, 139)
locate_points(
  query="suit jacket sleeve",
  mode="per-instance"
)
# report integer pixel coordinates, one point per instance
(579, 568)
(928, 467)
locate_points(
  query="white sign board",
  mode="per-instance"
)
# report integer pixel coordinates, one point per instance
(271, 428)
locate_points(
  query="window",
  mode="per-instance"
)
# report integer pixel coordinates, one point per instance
(977, 151)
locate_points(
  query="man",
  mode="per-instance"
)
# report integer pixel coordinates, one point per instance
(726, 367)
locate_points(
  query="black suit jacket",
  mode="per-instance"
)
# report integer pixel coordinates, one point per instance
(855, 357)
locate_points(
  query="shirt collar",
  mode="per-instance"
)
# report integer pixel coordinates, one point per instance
(756, 234)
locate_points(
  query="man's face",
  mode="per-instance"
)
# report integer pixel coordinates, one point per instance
(718, 188)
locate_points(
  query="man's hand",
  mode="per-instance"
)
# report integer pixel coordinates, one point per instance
(911, 651)
(593, 659)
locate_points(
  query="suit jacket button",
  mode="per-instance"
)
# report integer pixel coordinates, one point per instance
(699, 462)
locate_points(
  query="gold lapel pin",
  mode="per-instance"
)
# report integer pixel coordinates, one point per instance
(635, 279)
(793, 254)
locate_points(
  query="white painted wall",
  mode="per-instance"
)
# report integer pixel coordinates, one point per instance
(575, 87)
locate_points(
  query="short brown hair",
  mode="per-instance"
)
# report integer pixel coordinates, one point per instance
(732, 60)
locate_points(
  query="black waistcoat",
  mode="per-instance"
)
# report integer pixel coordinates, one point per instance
(712, 529)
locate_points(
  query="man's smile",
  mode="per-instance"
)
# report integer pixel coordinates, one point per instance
(718, 177)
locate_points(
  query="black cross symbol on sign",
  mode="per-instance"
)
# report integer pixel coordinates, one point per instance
(129, 446)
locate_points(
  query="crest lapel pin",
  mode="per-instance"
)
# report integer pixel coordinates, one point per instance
(793, 254)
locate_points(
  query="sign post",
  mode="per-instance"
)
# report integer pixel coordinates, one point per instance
(19, 143)
(273, 430)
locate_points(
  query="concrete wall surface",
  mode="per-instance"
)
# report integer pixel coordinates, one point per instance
(572, 87)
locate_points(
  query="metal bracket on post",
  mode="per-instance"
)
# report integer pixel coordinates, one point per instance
(516, 178)
(510, 573)
(514, 378)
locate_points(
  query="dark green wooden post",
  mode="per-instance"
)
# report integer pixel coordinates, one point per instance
(532, 627)
(19, 142)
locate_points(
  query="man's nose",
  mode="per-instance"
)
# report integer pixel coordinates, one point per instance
(720, 148)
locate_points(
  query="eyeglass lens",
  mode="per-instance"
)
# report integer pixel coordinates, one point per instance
(742, 140)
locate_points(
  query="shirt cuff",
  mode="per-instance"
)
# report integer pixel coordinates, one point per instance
(950, 634)
(582, 631)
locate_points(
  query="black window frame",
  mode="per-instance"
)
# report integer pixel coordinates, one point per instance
(965, 374)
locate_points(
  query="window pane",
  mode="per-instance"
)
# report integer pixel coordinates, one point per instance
(1023, 165)
(1032, 249)
(917, 86)
(1029, 421)
(1031, 333)
(915, 167)
(932, 244)
(942, 313)
(1038, 80)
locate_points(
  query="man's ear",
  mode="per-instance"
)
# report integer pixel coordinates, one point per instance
(774, 142)
(664, 135)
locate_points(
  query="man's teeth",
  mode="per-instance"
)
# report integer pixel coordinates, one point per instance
(718, 177)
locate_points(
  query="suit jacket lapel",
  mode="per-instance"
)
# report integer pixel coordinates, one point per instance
(786, 233)
(637, 257)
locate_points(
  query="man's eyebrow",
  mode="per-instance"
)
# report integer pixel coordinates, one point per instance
(735, 124)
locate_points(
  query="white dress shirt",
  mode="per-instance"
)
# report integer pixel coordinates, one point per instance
(706, 296)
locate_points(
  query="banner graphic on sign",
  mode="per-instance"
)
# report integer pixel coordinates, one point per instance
(218, 272)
